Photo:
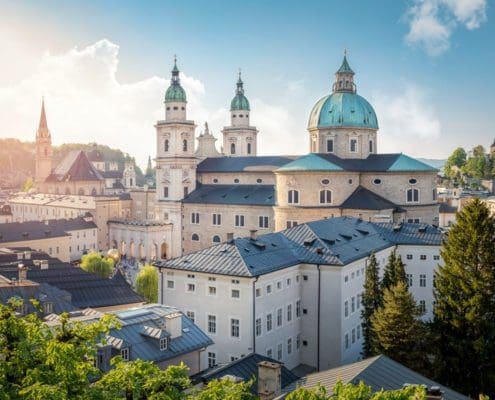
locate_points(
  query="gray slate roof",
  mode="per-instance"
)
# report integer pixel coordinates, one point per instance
(74, 167)
(246, 368)
(240, 164)
(364, 199)
(378, 372)
(33, 230)
(333, 241)
(259, 195)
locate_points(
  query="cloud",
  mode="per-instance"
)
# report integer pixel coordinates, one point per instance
(432, 22)
(407, 121)
(85, 102)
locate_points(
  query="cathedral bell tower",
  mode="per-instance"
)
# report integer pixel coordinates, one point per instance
(175, 160)
(43, 158)
(239, 139)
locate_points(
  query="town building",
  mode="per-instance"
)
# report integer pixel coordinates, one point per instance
(5, 214)
(152, 332)
(295, 295)
(206, 196)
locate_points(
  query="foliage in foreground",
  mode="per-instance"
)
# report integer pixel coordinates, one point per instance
(94, 262)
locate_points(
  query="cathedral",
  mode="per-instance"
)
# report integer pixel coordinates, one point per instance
(205, 197)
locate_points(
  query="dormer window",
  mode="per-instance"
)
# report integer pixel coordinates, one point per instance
(48, 307)
(163, 344)
(124, 353)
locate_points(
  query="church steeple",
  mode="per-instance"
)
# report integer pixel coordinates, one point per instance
(344, 77)
(175, 97)
(43, 158)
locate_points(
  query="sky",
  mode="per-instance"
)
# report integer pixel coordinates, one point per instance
(426, 66)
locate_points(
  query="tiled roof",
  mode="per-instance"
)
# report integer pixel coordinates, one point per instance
(446, 208)
(364, 199)
(379, 372)
(373, 163)
(334, 241)
(240, 164)
(246, 368)
(74, 167)
(261, 195)
(33, 230)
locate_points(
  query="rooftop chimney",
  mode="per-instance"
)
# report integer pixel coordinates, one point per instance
(22, 272)
(44, 264)
(27, 255)
(173, 324)
(269, 380)
(252, 234)
(434, 393)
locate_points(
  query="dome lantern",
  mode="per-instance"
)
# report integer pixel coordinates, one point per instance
(344, 77)
(240, 101)
(175, 92)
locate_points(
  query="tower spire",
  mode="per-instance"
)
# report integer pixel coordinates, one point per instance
(344, 77)
(240, 85)
(43, 123)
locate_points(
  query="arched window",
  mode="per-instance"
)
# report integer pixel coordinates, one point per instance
(166, 145)
(412, 195)
(293, 197)
(325, 196)
(195, 237)
(93, 192)
(184, 145)
(249, 148)
(130, 182)
(216, 239)
(232, 148)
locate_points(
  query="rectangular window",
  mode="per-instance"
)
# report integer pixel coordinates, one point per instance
(353, 145)
(346, 341)
(212, 324)
(269, 322)
(258, 292)
(212, 279)
(212, 359)
(358, 332)
(195, 218)
(422, 280)
(268, 289)
(239, 220)
(165, 192)
(358, 301)
(371, 146)
(298, 341)
(163, 344)
(279, 285)
(234, 327)
(217, 219)
(191, 287)
(212, 291)
(186, 191)
(279, 352)
(353, 304)
(329, 145)
(191, 276)
(293, 197)
(422, 306)
(235, 281)
(436, 257)
(288, 282)
(170, 284)
(298, 308)
(191, 315)
(124, 353)
(279, 317)
(235, 293)
(409, 256)
(346, 308)
(258, 326)
(269, 353)
(291, 224)
(289, 346)
(289, 312)
(422, 257)
(409, 280)
(263, 221)
(353, 335)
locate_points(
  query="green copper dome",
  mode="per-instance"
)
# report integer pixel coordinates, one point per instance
(239, 102)
(344, 107)
(175, 92)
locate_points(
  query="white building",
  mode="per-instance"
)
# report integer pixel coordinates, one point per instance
(294, 295)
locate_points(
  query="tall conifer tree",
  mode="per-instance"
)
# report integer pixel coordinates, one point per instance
(371, 300)
(399, 271)
(464, 308)
(388, 278)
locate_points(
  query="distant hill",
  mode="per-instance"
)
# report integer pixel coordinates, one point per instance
(434, 162)
(17, 159)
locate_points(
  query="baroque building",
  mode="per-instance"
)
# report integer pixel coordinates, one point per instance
(204, 196)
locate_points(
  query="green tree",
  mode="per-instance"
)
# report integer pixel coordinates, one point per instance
(357, 392)
(397, 330)
(464, 308)
(94, 262)
(28, 185)
(388, 278)
(372, 300)
(224, 389)
(147, 283)
(457, 159)
(399, 270)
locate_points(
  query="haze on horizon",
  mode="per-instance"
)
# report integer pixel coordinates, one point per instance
(425, 66)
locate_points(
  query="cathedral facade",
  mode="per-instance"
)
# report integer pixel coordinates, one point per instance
(205, 197)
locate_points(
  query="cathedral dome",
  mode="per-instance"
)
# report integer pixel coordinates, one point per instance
(175, 92)
(240, 101)
(342, 109)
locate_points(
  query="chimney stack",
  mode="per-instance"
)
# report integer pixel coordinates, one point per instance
(22, 272)
(252, 234)
(173, 324)
(44, 264)
(269, 380)
(434, 393)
